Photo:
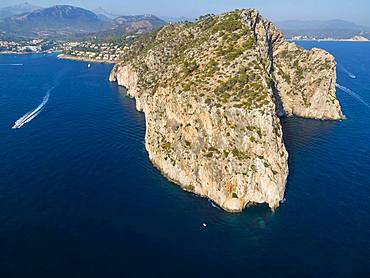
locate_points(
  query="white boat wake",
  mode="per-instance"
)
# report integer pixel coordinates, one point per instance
(11, 65)
(34, 113)
(353, 94)
(351, 75)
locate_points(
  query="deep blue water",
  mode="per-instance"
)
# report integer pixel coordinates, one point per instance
(79, 197)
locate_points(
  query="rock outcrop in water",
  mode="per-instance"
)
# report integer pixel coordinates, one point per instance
(212, 91)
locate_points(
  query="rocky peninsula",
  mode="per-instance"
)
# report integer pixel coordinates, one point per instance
(212, 93)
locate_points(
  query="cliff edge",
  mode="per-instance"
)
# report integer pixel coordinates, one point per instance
(212, 91)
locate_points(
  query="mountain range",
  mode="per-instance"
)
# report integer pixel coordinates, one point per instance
(321, 29)
(68, 21)
(64, 21)
(17, 9)
(104, 15)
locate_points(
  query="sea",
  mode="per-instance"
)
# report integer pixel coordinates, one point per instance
(80, 198)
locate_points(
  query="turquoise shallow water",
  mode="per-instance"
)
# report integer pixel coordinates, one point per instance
(79, 197)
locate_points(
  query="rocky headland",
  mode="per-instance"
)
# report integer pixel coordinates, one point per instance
(212, 93)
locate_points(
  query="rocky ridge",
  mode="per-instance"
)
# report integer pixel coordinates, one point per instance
(212, 91)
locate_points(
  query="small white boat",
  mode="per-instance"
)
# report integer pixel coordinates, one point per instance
(204, 225)
(89, 65)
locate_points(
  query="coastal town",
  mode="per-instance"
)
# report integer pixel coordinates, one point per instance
(28, 46)
(95, 51)
(101, 52)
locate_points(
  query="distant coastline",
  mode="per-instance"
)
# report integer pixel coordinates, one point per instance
(327, 40)
(26, 53)
(354, 39)
(61, 56)
(84, 59)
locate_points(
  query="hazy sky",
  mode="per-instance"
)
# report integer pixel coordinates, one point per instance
(353, 10)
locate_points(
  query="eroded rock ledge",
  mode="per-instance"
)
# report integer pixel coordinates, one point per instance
(212, 91)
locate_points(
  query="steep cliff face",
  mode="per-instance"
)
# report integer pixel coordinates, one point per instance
(304, 80)
(210, 92)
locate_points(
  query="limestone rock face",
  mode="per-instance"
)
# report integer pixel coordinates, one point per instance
(211, 91)
(305, 80)
(310, 90)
